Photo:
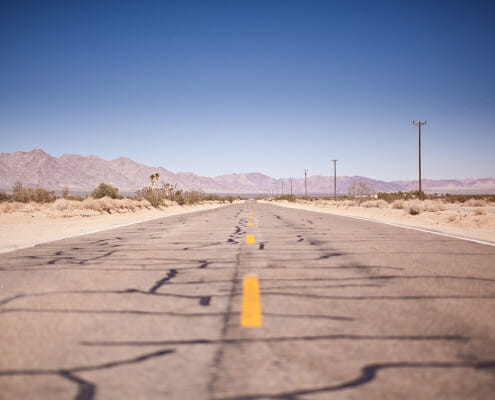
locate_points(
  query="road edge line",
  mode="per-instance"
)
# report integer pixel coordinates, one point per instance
(415, 228)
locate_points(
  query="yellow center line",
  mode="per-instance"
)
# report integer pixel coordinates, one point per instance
(250, 239)
(250, 223)
(250, 217)
(251, 305)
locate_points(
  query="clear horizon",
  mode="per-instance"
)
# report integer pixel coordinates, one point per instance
(215, 88)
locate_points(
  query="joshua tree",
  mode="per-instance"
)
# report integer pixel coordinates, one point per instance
(153, 178)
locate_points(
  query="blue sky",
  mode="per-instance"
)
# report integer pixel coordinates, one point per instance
(270, 86)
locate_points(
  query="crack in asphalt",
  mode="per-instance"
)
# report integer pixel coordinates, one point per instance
(86, 389)
(171, 274)
(368, 374)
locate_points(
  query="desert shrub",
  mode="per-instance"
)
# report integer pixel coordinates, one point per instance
(91, 204)
(452, 218)
(479, 211)
(375, 204)
(349, 203)
(105, 190)
(10, 207)
(107, 204)
(360, 190)
(25, 195)
(463, 198)
(398, 204)
(171, 193)
(192, 196)
(151, 195)
(4, 196)
(434, 205)
(62, 205)
(289, 197)
(413, 207)
(475, 203)
(40, 195)
(390, 197)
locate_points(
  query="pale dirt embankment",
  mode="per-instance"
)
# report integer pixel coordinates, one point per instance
(473, 219)
(25, 225)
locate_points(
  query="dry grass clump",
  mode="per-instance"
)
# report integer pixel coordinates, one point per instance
(434, 206)
(398, 204)
(10, 207)
(413, 207)
(349, 203)
(479, 211)
(452, 218)
(375, 204)
(475, 203)
(19, 207)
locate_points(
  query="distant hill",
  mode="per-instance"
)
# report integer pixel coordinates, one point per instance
(82, 174)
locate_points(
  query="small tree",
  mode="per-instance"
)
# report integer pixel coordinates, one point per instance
(105, 190)
(360, 190)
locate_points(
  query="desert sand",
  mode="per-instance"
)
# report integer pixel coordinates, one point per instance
(465, 220)
(31, 224)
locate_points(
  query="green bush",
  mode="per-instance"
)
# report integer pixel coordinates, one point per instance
(105, 189)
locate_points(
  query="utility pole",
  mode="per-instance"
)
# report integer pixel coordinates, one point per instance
(290, 186)
(419, 124)
(335, 180)
(282, 182)
(306, 182)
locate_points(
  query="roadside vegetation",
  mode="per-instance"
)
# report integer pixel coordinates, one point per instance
(361, 194)
(104, 199)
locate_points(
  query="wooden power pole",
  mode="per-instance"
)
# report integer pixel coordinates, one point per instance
(419, 124)
(291, 186)
(306, 182)
(335, 180)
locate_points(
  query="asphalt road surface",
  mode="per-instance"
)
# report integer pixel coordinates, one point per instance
(350, 309)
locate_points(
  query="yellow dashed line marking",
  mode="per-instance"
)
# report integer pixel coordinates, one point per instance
(250, 223)
(250, 217)
(251, 305)
(250, 239)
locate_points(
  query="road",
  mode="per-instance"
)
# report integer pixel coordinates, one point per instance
(350, 309)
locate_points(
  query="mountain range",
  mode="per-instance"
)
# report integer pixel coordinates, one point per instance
(81, 174)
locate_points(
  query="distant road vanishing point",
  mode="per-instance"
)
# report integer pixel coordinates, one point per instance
(249, 301)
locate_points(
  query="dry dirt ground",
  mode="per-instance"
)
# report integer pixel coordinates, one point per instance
(472, 219)
(25, 225)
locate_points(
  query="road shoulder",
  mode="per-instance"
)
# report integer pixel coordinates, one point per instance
(388, 217)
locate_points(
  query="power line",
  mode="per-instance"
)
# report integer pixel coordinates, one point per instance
(419, 124)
